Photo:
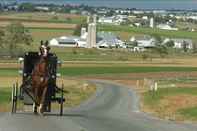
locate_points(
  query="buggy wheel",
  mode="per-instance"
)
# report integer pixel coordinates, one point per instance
(14, 98)
(62, 101)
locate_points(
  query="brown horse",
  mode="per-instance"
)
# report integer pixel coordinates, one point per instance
(40, 78)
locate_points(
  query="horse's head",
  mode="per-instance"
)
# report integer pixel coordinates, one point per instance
(44, 49)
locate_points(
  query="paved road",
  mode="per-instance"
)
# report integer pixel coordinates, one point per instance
(113, 108)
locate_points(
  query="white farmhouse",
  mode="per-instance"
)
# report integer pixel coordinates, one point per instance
(137, 24)
(179, 43)
(115, 20)
(68, 41)
(145, 17)
(42, 8)
(144, 41)
(106, 20)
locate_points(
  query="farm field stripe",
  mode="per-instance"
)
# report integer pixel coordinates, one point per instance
(171, 34)
(76, 71)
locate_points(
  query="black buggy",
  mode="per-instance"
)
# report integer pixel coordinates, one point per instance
(23, 92)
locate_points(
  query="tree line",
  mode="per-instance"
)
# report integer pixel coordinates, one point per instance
(13, 39)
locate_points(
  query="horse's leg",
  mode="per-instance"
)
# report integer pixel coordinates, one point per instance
(35, 108)
(35, 100)
(42, 100)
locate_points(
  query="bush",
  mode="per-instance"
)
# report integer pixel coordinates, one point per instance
(13, 40)
(74, 51)
(145, 56)
(123, 58)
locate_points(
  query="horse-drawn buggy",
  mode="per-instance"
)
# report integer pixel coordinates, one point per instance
(38, 88)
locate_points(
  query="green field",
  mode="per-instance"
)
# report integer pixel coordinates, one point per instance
(39, 34)
(81, 71)
(93, 54)
(149, 31)
(176, 102)
(189, 113)
(153, 99)
(5, 95)
(82, 54)
(42, 17)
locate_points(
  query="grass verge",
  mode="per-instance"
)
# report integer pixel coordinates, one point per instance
(152, 99)
(189, 113)
(175, 103)
(5, 97)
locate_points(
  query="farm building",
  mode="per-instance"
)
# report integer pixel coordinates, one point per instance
(179, 43)
(71, 41)
(109, 40)
(106, 20)
(144, 41)
(103, 40)
(115, 20)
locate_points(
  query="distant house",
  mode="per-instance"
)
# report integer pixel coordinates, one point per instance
(179, 43)
(144, 41)
(166, 27)
(145, 17)
(116, 20)
(13, 7)
(70, 41)
(138, 49)
(109, 40)
(159, 12)
(137, 24)
(106, 20)
(192, 17)
(103, 40)
(85, 13)
(138, 12)
(132, 16)
(42, 8)
(102, 11)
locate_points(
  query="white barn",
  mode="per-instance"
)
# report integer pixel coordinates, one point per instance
(65, 41)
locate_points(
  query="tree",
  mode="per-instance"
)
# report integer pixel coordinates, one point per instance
(2, 34)
(194, 47)
(16, 36)
(170, 44)
(110, 13)
(77, 31)
(68, 19)
(159, 48)
(135, 43)
(185, 44)
(158, 39)
(55, 17)
(27, 7)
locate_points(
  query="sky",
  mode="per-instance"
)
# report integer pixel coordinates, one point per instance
(140, 4)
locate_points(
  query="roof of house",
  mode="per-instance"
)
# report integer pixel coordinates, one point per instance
(68, 39)
(109, 38)
(182, 40)
(144, 41)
